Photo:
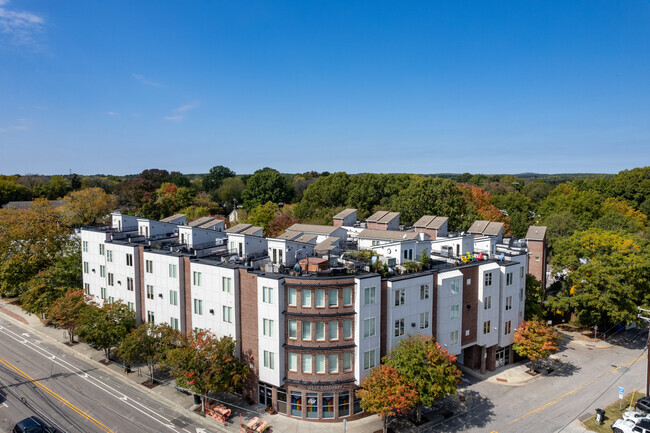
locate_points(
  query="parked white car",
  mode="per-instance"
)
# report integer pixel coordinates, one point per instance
(633, 416)
(641, 425)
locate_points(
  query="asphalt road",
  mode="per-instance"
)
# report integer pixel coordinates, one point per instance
(583, 380)
(39, 379)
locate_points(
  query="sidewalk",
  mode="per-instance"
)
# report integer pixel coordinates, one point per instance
(167, 394)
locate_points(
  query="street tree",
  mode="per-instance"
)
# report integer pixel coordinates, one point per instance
(67, 310)
(30, 241)
(104, 328)
(386, 393)
(535, 340)
(205, 363)
(87, 206)
(148, 344)
(429, 368)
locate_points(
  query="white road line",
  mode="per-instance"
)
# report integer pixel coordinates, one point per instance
(94, 381)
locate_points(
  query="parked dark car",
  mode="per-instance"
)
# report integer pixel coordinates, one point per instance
(32, 425)
(643, 404)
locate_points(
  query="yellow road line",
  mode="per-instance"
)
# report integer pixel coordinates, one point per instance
(56, 396)
(558, 399)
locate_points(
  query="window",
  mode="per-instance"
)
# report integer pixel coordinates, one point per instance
(172, 271)
(347, 329)
(129, 259)
(455, 286)
(508, 327)
(306, 363)
(269, 360)
(109, 256)
(369, 327)
(399, 297)
(454, 312)
(227, 314)
(521, 272)
(424, 320)
(130, 306)
(424, 292)
(486, 327)
(111, 300)
(344, 403)
(267, 295)
(102, 292)
(399, 327)
(537, 258)
(102, 271)
(293, 362)
(198, 307)
(521, 294)
(292, 297)
(226, 284)
(320, 298)
(347, 361)
(369, 295)
(267, 327)
(509, 303)
(509, 279)
(84, 245)
(296, 403)
(87, 288)
(306, 298)
(332, 298)
(453, 337)
(487, 302)
(173, 323)
(101, 249)
(148, 266)
(149, 291)
(86, 267)
(332, 363)
(320, 364)
(347, 296)
(328, 405)
(173, 297)
(196, 278)
(320, 331)
(488, 279)
(129, 284)
(293, 329)
(110, 279)
(306, 330)
(312, 405)
(332, 330)
(369, 359)
(150, 317)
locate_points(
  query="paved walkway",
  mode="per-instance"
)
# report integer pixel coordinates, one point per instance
(168, 394)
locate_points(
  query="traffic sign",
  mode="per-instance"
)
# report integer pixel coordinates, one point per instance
(621, 390)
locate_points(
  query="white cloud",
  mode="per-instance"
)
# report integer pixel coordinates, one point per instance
(18, 27)
(174, 118)
(112, 113)
(143, 80)
(20, 124)
(187, 107)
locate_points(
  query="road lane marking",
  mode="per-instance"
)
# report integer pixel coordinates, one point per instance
(143, 409)
(55, 395)
(560, 398)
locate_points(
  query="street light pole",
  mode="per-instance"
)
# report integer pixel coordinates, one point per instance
(647, 372)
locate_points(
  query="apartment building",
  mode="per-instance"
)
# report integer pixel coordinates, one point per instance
(312, 336)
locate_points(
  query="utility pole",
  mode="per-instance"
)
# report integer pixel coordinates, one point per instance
(646, 318)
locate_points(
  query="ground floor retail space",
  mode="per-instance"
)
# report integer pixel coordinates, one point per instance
(484, 358)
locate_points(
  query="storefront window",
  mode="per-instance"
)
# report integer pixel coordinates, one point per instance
(312, 405)
(357, 406)
(282, 401)
(296, 404)
(344, 403)
(328, 405)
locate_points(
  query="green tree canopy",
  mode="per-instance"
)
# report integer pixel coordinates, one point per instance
(12, 191)
(67, 310)
(104, 328)
(213, 180)
(266, 185)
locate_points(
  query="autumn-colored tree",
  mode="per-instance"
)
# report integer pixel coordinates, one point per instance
(535, 340)
(386, 393)
(104, 328)
(205, 363)
(279, 224)
(88, 206)
(149, 344)
(263, 214)
(30, 241)
(422, 362)
(67, 310)
(481, 201)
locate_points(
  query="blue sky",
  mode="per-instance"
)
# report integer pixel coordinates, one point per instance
(426, 87)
